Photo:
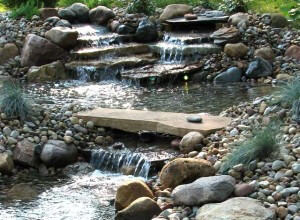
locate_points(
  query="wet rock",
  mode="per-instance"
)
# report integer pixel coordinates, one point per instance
(242, 190)
(129, 192)
(125, 29)
(184, 170)
(293, 52)
(236, 50)
(226, 35)
(22, 191)
(81, 11)
(146, 31)
(48, 12)
(279, 21)
(63, 23)
(175, 10)
(175, 144)
(38, 51)
(265, 53)
(47, 73)
(142, 208)
(190, 141)
(62, 36)
(233, 74)
(78, 168)
(24, 154)
(9, 51)
(101, 15)
(235, 208)
(118, 146)
(58, 154)
(238, 17)
(204, 190)
(6, 163)
(259, 68)
(67, 14)
(43, 171)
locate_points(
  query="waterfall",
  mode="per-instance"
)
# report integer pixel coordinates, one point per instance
(114, 162)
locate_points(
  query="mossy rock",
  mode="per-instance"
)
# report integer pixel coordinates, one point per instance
(279, 21)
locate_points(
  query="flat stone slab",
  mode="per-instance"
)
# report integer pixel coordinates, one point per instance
(160, 122)
(200, 20)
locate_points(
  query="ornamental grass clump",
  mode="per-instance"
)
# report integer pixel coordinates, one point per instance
(13, 101)
(259, 147)
(288, 93)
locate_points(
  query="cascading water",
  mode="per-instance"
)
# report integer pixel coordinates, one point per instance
(114, 162)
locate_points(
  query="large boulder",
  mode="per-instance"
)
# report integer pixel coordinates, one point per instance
(101, 15)
(259, 68)
(47, 73)
(238, 17)
(24, 154)
(39, 51)
(6, 163)
(184, 170)
(233, 74)
(58, 154)
(63, 36)
(146, 31)
(190, 141)
(81, 11)
(235, 208)
(48, 12)
(175, 10)
(204, 190)
(141, 209)
(226, 35)
(279, 21)
(130, 191)
(22, 191)
(292, 52)
(266, 53)
(237, 50)
(9, 51)
(67, 14)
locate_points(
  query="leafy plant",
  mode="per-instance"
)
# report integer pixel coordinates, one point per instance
(17, 3)
(294, 14)
(141, 6)
(288, 93)
(28, 9)
(260, 146)
(13, 101)
(233, 6)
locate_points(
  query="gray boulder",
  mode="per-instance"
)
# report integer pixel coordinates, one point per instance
(101, 15)
(238, 17)
(38, 51)
(259, 68)
(233, 74)
(58, 154)
(143, 208)
(67, 14)
(24, 154)
(63, 36)
(48, 12)
(235, 208)
(81, 11)
(146, 31)
(204, 190)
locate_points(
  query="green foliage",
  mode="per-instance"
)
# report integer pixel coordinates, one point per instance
(17, 3)
(141, 6)
(13, 101)
(233, 6)
(288, 93)
(92, 3)
(28, 9)
(260, 146)
(203, 3)
(294, 14)
(67, 3)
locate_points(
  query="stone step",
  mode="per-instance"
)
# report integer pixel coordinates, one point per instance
(166, 49)
(159, 73)
(111, 50)
(104, 40)
(160, 122)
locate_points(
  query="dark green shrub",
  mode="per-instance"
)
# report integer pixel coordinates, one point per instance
(141, 6)
(18, 3)
(13, 101)
(26, 10)
(263, 143)
(294, 14)
(233, 6)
